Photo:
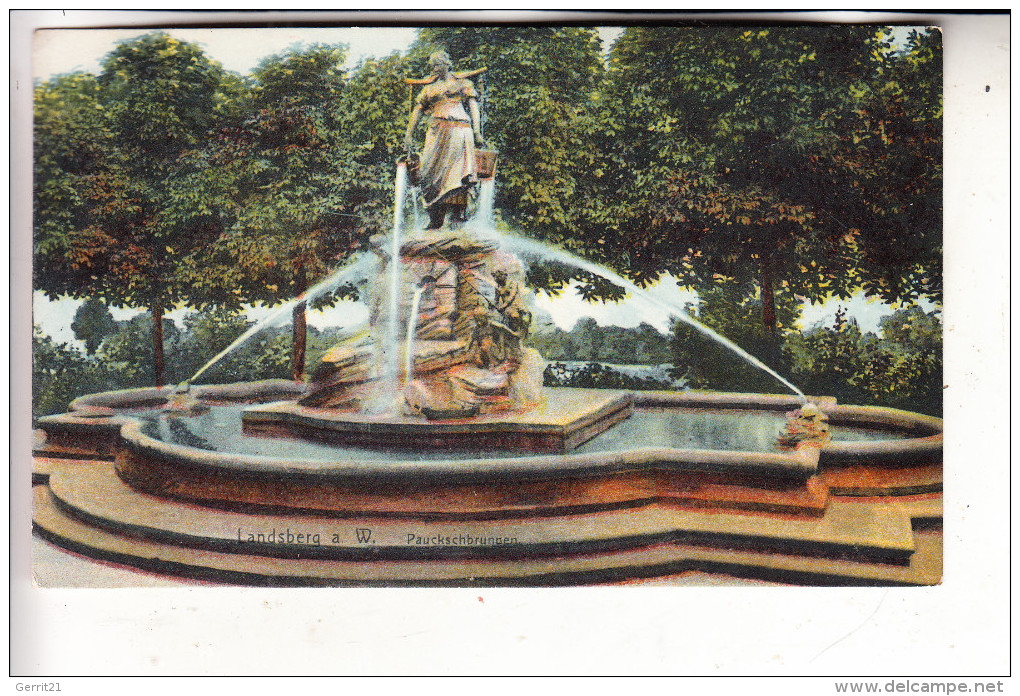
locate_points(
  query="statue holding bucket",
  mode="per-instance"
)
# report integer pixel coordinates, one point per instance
(449, 161)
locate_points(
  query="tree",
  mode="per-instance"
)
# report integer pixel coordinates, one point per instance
(206, 333)
(916, 382)
(738, 154)
(129, 352)
(266, 355)
(371, 116)
(287, 187)
(105, 226)
(901, 369)
(893, 187)
(732, 310)
(72, 141)
(92, 323)
(588, 338)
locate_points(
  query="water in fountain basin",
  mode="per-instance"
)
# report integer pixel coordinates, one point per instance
(219, 429)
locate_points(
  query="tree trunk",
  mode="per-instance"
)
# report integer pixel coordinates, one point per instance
(768, 313)
(158, 358)
(300, 331)
(768, 297)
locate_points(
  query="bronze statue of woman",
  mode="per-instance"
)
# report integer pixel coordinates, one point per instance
(448, 159)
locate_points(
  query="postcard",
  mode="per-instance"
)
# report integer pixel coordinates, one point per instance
(604, 305)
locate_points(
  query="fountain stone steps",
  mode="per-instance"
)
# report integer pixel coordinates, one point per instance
(94, 493)
(663, 559)
(871, 480)
(43, 466)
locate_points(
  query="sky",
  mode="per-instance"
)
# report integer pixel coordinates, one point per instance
(60, 51)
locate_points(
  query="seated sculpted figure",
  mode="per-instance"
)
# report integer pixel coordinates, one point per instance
(448, 159)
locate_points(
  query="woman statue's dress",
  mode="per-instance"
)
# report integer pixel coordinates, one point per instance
(448, 160)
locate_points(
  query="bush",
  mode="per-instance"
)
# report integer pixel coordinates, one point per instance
(128, 356)
(592, 375)
(734, 312)
(903, 369)
(61, 373)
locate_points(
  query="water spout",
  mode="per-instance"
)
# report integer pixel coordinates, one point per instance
(526, 246)
(389, 346)
(486, 196)
(412, 329)
(396, 270)
(416, 214)
(359, 264)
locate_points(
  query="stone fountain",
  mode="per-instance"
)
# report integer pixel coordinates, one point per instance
(426, 451)
(465, 378)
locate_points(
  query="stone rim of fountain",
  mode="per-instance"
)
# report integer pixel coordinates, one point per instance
(526, 468)
(103, 412)
(495, 487)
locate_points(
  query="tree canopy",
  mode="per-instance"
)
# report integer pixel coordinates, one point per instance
(760, 166)
(753, 154)
(105, 169)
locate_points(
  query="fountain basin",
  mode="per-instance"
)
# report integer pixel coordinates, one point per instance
(504, 483)
(123, 480)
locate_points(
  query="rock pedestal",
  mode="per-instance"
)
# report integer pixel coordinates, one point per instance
(471, 313)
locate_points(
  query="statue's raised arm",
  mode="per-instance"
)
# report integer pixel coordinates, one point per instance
(450, 103)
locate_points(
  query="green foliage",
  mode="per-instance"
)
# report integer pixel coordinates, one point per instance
(903, 369)
(161, 93)
(309, 76)
(751, 154)
(895, 186)
(72, 143)
(732, 310)
(593, 375)
(206, 333)
(294, 187)
(266, 355)
(267, 185)
(162, 97)
(125, 356)
(129, 353)
(92, 323)
(643, 345)
(61, 373)
(272, 188)
(371, 116)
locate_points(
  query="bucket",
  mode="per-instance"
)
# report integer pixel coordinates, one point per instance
(413, 163)
(485, 163)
